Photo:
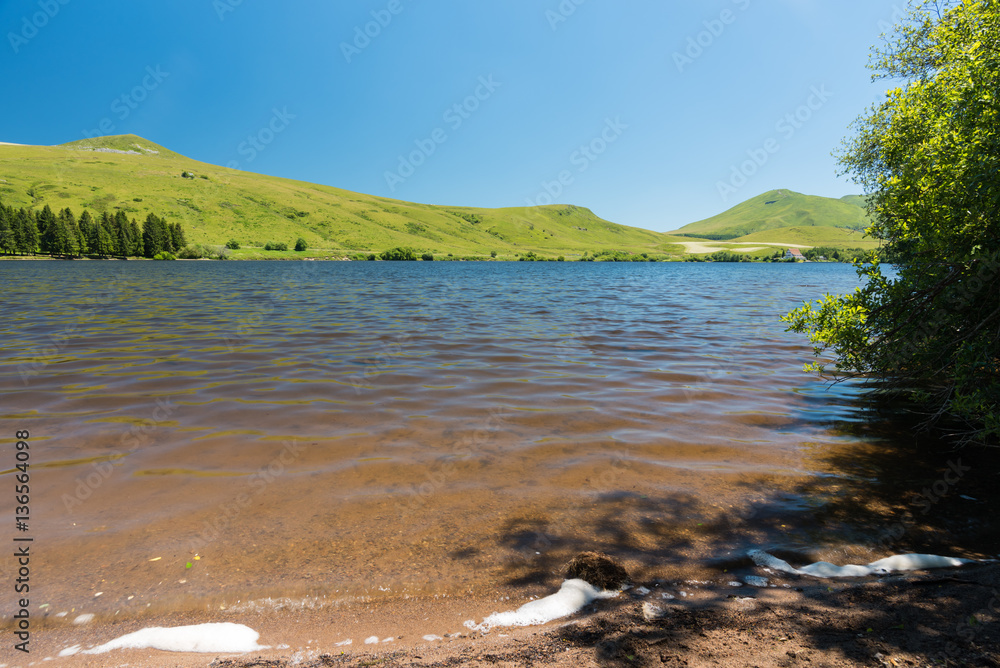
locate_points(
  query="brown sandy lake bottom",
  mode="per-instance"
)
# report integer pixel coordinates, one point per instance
(211, 438)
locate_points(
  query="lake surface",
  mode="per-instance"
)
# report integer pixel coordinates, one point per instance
(204, 432)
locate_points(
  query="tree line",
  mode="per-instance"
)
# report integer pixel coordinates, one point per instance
(29, 232)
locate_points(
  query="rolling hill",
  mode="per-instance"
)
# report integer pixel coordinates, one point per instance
(780, 209)
(215, 204)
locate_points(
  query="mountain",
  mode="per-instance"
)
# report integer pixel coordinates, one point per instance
(781, 209)
(215, 204)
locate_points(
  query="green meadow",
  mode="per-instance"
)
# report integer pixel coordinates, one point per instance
(217, 204)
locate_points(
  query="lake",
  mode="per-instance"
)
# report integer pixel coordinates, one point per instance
(207, 433)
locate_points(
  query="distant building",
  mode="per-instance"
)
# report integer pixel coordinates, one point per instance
(794, 253)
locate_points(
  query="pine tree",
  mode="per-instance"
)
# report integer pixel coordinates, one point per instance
(154, 235)
(69, 236)
(177, 237)
(48, 226)
(109, 246)
(6, 231)
(120, 232)
(136, 234)
(83, 232)
(25, 232)
(104, 241)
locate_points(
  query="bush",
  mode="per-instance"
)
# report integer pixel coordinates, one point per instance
(204, 251)
(427, 257)
(493, 253)
(300, 244)
(276, 247)
(399, 254)
(164, 255)
(560, 259)
(233, 244)
(372, 257)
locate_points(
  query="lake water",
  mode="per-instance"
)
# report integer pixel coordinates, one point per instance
(204, 433)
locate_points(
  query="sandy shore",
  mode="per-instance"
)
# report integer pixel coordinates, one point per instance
(921, 619)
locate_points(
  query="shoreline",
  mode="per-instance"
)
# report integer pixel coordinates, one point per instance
(912, 619)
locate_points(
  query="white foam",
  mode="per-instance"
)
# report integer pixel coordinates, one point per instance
(70, 651)
(221, 637)
(824, 569)
(371, 640)
(84, 619)
(431, 637)
(913, 562)
(572, 596)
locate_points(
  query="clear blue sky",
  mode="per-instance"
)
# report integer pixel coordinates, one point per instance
(203, 76)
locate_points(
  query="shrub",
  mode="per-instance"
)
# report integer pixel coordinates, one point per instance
(233, 244)
(276, 247)
(204, 251)
(164, 255)
(427, 257)
(399, 254)
(300, 244)
(493, 253)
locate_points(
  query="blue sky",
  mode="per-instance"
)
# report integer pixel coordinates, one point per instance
(653, 113)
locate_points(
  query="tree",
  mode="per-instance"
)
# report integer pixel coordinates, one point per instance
(122, 234)
(176, 237)
(25, 229)
(155, 235)
(48, 228)
(928, 156)
(300, 244)
(69, 243)
(108, 241)
(400, 253)
(135, 234)
(6, 229)
(85, 225)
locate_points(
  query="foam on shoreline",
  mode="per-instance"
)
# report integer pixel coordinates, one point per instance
(824, 569)
(214, 637)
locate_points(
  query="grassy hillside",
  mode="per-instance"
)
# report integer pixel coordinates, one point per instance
(836, 237)
(216, 204)
(781, 209)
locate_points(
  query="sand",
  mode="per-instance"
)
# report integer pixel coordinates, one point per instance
(925, 618)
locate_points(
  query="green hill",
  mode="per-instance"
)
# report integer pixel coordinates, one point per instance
(215, 204)
(781, 209)
(837, 237)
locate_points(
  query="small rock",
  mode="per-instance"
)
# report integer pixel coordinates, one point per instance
(651, 612)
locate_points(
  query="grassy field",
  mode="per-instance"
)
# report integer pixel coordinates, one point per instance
(836, 237)
(781, 209)
(216, 204)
